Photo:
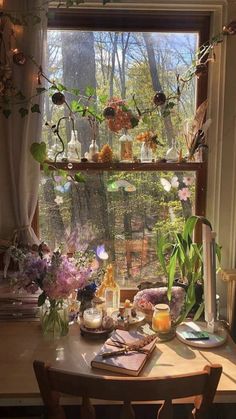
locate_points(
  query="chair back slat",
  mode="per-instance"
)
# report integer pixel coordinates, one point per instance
(53, 381)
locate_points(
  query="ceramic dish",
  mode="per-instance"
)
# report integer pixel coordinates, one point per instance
(132, 320)
(95, 333)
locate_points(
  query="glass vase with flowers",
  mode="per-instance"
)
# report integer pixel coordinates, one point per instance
(57, 276)
(149, 145)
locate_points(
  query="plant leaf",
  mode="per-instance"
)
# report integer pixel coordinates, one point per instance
(6, 113)
(35, 108)
(199, 311)
(172, 270)
(23, 112)
(79, 177)
(41, 299)
(39, 151)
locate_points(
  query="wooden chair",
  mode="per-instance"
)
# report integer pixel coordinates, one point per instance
(52, 382)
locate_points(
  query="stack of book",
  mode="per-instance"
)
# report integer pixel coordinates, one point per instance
(17, 305)
(130, 362)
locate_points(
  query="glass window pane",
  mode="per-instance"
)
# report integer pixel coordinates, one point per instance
(126, 65)
(123, 210)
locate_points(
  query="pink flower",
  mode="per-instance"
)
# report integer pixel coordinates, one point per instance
(184, 194)
(188, 180)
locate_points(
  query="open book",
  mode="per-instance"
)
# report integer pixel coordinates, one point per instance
(129, 363)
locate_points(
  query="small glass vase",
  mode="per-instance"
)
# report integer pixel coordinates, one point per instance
(54, 319)
(146, 153)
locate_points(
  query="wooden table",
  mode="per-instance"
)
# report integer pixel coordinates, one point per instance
(22, 342)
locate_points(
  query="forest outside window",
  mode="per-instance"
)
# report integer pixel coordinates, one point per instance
(123, 209)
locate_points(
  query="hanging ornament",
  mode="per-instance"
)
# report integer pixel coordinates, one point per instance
(159, 98)
(58, 98)
(230, 28)
(19, 58)
(201, 69)
(109, 112)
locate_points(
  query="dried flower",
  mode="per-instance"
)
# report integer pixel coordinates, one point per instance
(149, 138)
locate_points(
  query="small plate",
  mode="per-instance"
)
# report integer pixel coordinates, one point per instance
(132, 320)
(95, 333)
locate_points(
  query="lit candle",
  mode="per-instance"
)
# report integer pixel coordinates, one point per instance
(92, 318)
(161, 320)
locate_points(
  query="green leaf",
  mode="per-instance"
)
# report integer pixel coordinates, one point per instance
(23, 112)
(172, 270)
(160, 253)
(41, 299)
(40, 90)
(46, 169)
(79, 177)
(199, 312)
(61, 87)
(35, 108)
(75, 106)
(189, 227)
(38, 151)
(20, 95)
(6, 113)
(90, 91)
(75, 92)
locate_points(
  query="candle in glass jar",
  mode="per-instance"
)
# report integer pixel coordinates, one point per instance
(161, 320)
(92, 318)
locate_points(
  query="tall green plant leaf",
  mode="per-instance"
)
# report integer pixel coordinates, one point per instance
(172, 269)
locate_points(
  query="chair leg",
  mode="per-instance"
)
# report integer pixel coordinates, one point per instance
(87, 411)
(127, 411)
(166, 410)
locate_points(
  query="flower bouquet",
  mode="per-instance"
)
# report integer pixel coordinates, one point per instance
(57, 276)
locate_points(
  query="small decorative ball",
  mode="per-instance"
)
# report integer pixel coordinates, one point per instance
(58, 98)
(201, 70)
(19, 58)
(109, 112)
(159, 98)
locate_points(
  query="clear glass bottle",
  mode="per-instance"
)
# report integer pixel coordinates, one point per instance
(93, 151)
(172, 154)
(146, 153)
(74, 147)
(126, 148)
(112, 296)
(161, 319)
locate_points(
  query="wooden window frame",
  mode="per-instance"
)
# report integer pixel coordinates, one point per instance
(139, 21)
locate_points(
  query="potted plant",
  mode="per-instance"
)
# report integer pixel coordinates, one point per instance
(180, 255)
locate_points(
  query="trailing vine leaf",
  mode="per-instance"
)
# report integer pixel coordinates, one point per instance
(40, 90)
(90, 91)
(61, 87)
(6, 112)
(79, 177)
(35, 108)
(39, 151)
(46, 169)
(23, 112)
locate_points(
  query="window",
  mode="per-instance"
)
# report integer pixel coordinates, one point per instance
(122, 205)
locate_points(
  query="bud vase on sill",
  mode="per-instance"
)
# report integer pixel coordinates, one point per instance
(54, 318)
(146, 153)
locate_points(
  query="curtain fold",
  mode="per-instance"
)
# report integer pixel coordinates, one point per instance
(19, 173)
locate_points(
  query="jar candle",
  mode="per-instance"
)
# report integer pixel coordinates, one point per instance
(92, 318)
(161, 320)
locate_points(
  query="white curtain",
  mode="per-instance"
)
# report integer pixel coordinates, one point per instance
(19, 173)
